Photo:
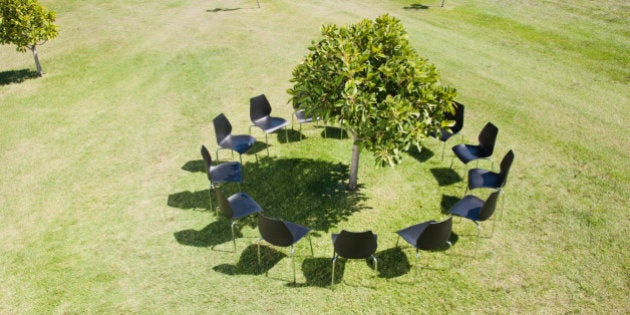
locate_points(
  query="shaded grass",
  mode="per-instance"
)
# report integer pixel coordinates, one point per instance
(99, 216)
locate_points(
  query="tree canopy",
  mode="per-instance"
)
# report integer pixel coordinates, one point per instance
(26, 24)
(367, 78)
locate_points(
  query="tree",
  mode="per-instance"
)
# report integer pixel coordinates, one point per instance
(26, 24)
(367, 78)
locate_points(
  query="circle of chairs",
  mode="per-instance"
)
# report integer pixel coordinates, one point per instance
(425, 236)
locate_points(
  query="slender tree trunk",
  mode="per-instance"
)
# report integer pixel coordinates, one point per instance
(40, 72)
(354, 164)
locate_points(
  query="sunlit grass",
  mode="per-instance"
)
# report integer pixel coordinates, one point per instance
(105, 208)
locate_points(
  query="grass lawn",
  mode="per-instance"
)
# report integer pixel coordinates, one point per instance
(104, 203)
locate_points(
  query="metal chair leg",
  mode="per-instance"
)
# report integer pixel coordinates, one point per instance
(293, 261)
(332, 282)
(267, 144)
(233, 239)
(478, 236)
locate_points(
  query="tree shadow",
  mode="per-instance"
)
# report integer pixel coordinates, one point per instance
(17, 76)
(445, 176)
(392, 263)
(215, 10)
(417, 6)
(448, 202)
(422, 156)
(304, 191)
(248, 261)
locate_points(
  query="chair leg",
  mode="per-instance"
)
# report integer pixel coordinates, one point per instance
(258, 245)
(332, 282)
(478, 236)
(375, 267)
(311, 243)
(416, 265)
(233, 239)
(443, 146)
(502, 206)
(293, 262)
(267, 144)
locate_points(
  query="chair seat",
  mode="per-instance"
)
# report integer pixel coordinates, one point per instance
(412, 233)
(481, 178)
(302, 118)
(238, 143)
(468, 152)
(469, 207)
(242, 205)
(445, 134)
(270, 124)
(298, 231)
(226, 172)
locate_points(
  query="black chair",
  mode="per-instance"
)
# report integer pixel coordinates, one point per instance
(354, 245)
(281, 233)
(302, 118)
(235, 207)
(259, 111)
(225, 139)
(458, 118)
(220, 173)
(477, 210)
(428, 235)
(481, 178)
(470, 152)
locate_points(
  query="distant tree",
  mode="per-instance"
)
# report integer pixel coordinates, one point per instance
(367, 78)
(26, 24)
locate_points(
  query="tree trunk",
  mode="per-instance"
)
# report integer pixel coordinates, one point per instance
(39, 67)
(354, 164)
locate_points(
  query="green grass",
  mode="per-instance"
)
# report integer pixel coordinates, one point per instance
(104, 206)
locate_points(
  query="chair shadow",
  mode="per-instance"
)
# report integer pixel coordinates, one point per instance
(392, 263)
(445, 176)
(422, 156)
(447, 203)
(257, 148)
(289, 135)
(334, 133)
(190, 200)
(215, 233)
(417, 6)
(318, 271)
(248, 261)
(17, 76)
(195, 166)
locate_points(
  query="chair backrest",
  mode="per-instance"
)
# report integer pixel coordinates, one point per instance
(259, 107)
(487, 137)
(224, 204)
(489, 206)
(274, 231)
(207, 160)
(222, 127)
(458, 117)
(435, 235)
(355, 245)
(506, 164)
